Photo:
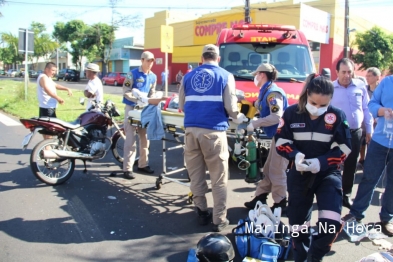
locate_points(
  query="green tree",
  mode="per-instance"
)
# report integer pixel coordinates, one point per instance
(102, 36)
(12, 54)
(375, 49)
(75, 32)
(44, 45)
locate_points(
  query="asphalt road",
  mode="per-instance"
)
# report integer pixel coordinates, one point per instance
(94, 217)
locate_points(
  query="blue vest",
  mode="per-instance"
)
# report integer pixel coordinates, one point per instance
(264, 107)
(204, 103)
(143, 82)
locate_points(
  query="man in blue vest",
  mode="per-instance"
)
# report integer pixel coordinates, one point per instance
(140, 82)
(271, 103)
(207, 96)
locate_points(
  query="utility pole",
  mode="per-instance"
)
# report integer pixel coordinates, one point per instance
(346, 29)
(247, 18)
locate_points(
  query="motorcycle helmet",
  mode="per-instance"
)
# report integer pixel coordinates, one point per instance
(215, 247)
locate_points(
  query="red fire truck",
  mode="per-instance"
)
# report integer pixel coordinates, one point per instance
(244, 47)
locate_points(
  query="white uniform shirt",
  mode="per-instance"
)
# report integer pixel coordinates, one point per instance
(46, 101)
(95, 87)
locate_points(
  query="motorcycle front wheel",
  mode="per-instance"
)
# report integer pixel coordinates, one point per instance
(50, 171)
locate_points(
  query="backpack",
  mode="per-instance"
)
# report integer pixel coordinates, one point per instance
(255, 245)
(258, 241)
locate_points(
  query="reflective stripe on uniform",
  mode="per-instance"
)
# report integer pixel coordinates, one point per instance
(329, 215)
(282, 141)
(204, 98)
(343, 147)
(313, 136)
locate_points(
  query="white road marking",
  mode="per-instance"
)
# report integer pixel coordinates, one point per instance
(8, 121)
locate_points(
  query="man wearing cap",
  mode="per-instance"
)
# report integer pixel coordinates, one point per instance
(207, 96)
(94, 90)
(140, 82)
(271, 103)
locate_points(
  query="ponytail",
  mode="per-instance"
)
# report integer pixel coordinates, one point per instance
(314, 84)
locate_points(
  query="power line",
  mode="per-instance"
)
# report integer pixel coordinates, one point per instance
(119, 6)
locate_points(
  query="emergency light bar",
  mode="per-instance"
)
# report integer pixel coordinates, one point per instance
(264, 27)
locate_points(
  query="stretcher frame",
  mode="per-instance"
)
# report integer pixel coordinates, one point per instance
(174, 128)
(173, 124)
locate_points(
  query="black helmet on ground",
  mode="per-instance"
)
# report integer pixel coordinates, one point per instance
(215, 247)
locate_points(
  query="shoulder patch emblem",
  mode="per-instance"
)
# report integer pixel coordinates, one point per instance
(330, 118)
(281, 123)
(275, 109)
(127, 83)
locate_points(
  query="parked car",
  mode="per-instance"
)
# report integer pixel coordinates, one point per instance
(114, 79)
(38, 74)
(32, 74)
(11, 72)
(20, 73)
(68, 75)
(2, 72)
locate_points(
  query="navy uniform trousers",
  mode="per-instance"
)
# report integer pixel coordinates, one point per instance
(327, 187)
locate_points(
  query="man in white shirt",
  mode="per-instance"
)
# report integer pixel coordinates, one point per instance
(47, 92)
(94, 90)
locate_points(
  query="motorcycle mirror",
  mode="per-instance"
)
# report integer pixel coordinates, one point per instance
(82, 101)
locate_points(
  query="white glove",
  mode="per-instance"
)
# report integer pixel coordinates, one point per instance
(250, 127)
(142, 97)
(239, 119)
(299, 158)
(313, 165)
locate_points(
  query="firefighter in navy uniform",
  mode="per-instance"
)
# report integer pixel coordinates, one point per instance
(315, 136)
(271, 103)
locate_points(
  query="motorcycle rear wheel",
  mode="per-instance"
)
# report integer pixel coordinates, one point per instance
(118, 147)
(50, 171)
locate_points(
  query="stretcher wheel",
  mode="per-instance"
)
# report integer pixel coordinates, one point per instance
(158, 183)
(190, 198)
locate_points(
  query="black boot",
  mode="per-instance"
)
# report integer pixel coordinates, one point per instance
(283, 205)
(311, 258)
(204, 217)
(252, 203)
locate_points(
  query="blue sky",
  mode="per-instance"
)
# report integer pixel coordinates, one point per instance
(20, 13)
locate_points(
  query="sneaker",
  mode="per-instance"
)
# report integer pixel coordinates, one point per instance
(251, 204)
(128, 175)
(220, 227)
(204, 217)
(387, 228)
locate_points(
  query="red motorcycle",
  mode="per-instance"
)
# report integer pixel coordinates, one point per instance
(53, 160)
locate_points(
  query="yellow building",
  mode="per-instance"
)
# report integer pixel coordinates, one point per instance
(322, 22)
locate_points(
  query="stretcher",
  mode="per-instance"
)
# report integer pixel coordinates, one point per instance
(173, 122)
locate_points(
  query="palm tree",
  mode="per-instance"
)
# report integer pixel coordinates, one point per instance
(12, 44)
(44, 46)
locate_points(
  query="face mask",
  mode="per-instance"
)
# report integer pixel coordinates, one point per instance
(256, 82)
(313, 110)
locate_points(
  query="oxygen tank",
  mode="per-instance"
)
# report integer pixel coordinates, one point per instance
(251, 157)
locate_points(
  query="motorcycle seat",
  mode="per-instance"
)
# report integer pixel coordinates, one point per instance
(72, 125)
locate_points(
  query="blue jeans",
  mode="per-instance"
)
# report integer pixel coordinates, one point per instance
(374, 164)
